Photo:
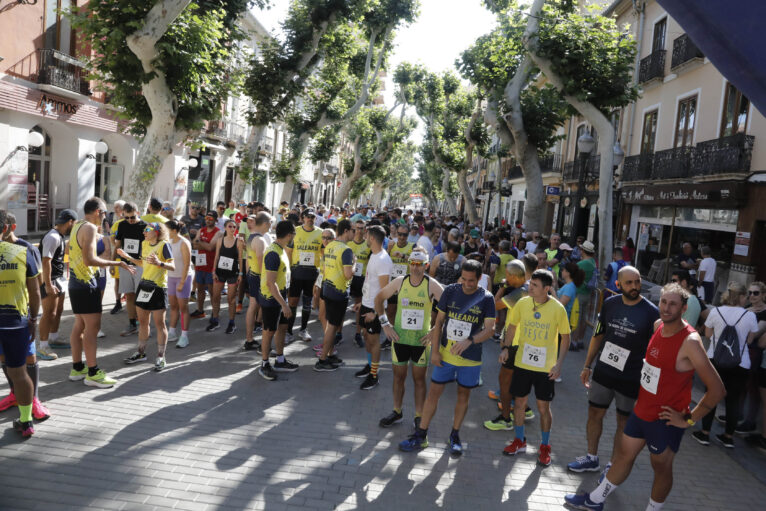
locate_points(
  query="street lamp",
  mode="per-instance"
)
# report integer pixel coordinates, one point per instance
(585, 145)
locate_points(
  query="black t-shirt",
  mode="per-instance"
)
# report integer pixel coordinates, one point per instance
(130, 237)
(625, 327)
(193, 224)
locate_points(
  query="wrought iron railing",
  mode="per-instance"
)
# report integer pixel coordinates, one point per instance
(572, 169)
(671, 163)
(62, 70)
(637, 167)
(684, 50)
(652, 66)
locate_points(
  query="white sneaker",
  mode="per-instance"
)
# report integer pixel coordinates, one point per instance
(183, 341)
(172, 336)
(304, 336)
(558, 380)
(159, 365)
(289, 338)
(100, 334)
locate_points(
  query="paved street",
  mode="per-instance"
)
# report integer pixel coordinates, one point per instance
(209, 433)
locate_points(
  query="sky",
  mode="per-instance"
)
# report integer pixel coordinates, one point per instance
(440, 34)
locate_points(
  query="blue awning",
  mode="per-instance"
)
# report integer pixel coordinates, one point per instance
(732, 36)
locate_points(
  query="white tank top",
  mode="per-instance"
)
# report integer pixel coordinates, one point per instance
(178, 259)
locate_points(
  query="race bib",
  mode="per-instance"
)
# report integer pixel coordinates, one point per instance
(225, 263)
(650, 377)
(366, 287)
(194, 253)
(306, 258)
(400, 270)
(132, 246)
(318, 282)
(412, 319)
(102, 272)
(144, 296)
(534, 356)
(458, 330)
(614, 356)
(358, 269)
(201, 259)
(287, 279)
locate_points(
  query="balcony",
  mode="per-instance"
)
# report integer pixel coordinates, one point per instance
(684, 51)
(652, 67)
(572, 169)
(720, 156)
(63, 71)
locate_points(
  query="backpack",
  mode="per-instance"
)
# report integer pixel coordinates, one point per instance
(726, 353)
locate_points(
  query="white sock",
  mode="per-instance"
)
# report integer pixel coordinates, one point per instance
(654, 506)
(599, 495)
(171, 331)
(184, 332)
(593, 456)
(53, 336)
(44, 345)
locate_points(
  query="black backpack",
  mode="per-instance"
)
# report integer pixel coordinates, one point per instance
(726, 353)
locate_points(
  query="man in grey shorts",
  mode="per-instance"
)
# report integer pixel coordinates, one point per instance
(625, 326)
(130, 234)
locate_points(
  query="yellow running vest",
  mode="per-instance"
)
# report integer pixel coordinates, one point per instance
(80, 274)
(283, 273)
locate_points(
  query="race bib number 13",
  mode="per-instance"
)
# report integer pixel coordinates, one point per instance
(458, 330)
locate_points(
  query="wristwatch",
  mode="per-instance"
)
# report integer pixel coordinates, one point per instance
(688, 418)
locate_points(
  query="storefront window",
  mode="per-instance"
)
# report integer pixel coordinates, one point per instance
(200, 178)
(108, 182)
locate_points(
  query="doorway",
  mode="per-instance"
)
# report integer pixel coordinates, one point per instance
(38, 184)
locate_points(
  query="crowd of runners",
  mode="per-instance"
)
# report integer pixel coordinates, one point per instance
(431, 289)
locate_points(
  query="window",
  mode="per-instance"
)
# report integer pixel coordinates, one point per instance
(687, 111)
(617, 123)
(649, 133)
(735, 110)
(58, 30)
(658, 39)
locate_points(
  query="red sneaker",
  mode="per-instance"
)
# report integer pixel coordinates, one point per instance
(7, 402)
(545, 455)
(515, 447)
(39, 411)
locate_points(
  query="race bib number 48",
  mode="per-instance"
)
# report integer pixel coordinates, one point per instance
(132, 246)
(650, 377)
(614, 356)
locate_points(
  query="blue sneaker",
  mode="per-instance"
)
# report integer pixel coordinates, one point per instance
(582, 502)
(414, 443)
(455, 447)
(603, 472)
(584, 464)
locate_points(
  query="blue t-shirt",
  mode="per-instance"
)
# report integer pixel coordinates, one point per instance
(569, 290)
(629, 327)
(611, 274)
(460, 309)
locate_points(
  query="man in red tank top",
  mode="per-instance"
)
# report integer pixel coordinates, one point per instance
(662, 412)
(204, 251)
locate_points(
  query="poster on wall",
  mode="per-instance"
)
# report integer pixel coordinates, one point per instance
(742, 243)
(17, 191)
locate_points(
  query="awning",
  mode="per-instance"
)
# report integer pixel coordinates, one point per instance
(720, 194)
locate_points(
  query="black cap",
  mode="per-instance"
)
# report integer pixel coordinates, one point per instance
(66, 215)
(309, 212)
(155, 203)
(212, 213)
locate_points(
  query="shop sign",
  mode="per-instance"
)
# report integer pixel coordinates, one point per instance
(552, 190)
(414, 195)
(742, 243)
(719, 194)
(50, 105)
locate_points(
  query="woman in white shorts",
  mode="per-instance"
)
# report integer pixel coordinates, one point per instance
(179, 284)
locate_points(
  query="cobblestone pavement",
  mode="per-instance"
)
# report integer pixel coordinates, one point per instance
(209, 433)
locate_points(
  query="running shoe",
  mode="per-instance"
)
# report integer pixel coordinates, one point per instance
(131, 330)
(363, 372)
(136, 357)
(726, 442)
(197, 314)
(257, 330)
(604, 472)
(116, 309)
(160, 364)
(39, 411)
(239, 308)
(701, 437)
(183, 341)
(385, 345)
(545, 455)
(499, 423)
(267, 372)
(231, 328)
(494, 394)
(26, 429)
(582, 502)
(289, 338)
(46, 354)
(745, 428)
(369, 383)
(415, 442)
(335, 360)
(75, 375)
(214, 325)
(325, 365)
(721, 418)
(529, 414)
(100, 334)
(338, 338)
(558, 380)
(172, 337)
(285, 367)
(455, 446)
(304, 336)
(584, 464)
(100, 380)
(515, 447)
(334, 351)
(389, 420)
(59, 344)
(7, 402)
(358, 340)
(252, 346)
(318, 347)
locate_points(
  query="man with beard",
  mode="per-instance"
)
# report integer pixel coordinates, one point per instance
(625, 325)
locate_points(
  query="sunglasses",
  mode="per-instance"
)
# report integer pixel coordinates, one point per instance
(416, 263)
(327, 238)
(675, 281)
(230, 226)
(102, 212)
(242, 204)
(402, 233)
(149, 229)
(131, 217)
(754, 293)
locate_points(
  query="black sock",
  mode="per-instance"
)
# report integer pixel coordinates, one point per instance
(305, 316)
(78, 366)
(455, 432)
(10, 382)
(34, 373)
(257, 324)
(92, 370)
(421, 432)
(133, 322)
(291, 321)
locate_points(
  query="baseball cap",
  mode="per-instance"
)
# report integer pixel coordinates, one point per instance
(212, 214)
(419, 256)
(474, 233)
(309, 212)
(66, 215)
(565, 246)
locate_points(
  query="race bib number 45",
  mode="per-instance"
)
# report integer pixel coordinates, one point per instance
(650, 377)
(614, 356)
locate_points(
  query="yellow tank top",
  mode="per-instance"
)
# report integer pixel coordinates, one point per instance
(333, 266)
(362, 253)
(400, 256)
(14, 297)
(253, 264)
(500, 272)
(283, 273)
(151, 272)
(306, 247)
(80, 274)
